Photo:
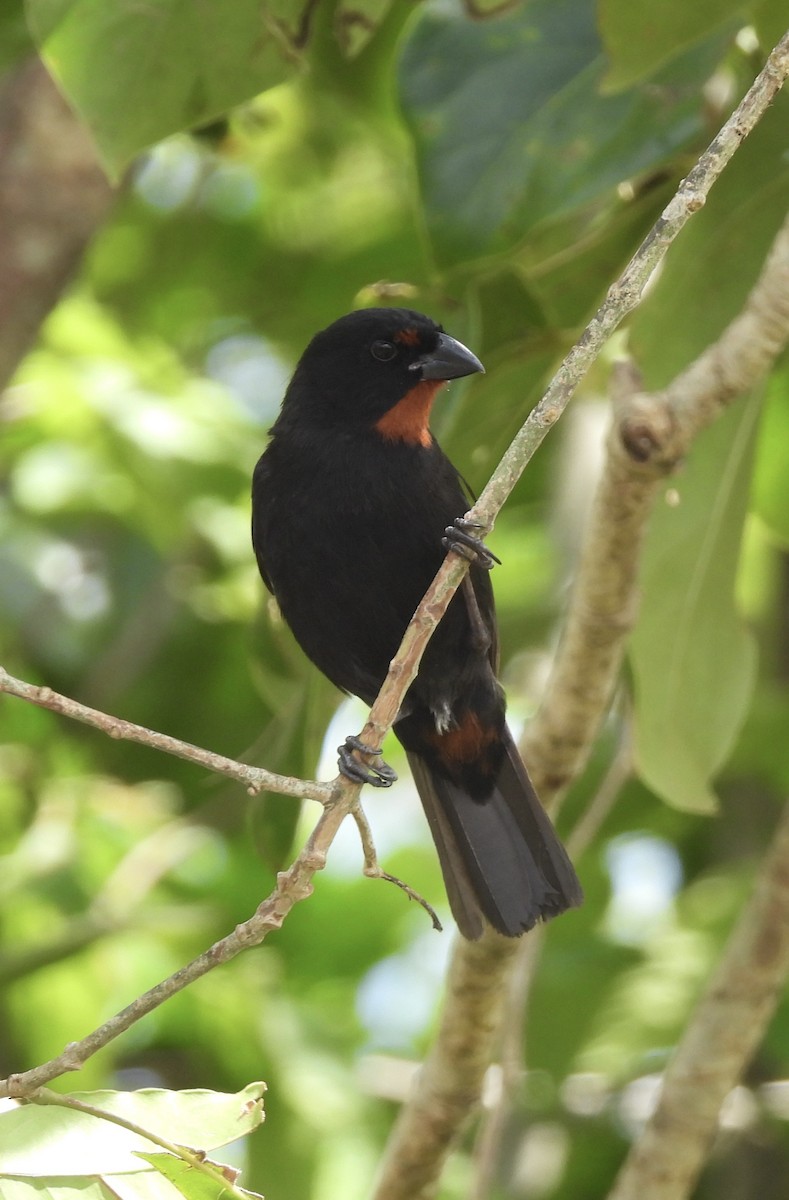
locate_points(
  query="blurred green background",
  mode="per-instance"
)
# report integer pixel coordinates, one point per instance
(497, 172)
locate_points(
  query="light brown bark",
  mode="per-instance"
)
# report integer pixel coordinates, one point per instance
(53, 197)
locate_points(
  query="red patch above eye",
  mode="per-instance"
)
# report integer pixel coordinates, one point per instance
(408, 336)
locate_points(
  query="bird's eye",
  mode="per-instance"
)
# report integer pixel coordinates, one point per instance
(383, 351)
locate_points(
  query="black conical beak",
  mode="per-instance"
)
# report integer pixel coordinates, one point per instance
(450, 360)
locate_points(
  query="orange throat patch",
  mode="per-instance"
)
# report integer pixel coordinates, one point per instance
(409, 419)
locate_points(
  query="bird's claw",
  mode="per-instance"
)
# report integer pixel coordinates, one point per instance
(378, 774)
(458, 537)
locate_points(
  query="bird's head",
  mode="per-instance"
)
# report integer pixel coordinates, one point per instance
(377, 368)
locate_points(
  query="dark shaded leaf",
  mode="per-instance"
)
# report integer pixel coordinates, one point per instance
(512, 129)
(693, 661)
(639, 39)
(716, 259)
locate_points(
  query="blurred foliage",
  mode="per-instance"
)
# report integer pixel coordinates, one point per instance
(497, 173)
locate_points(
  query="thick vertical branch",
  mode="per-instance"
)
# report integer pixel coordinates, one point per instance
(602, 613)
(725, 1030)
(53, 197)
(649, 436)
(469, 1023)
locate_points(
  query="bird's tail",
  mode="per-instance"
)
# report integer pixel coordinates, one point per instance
(500, 856)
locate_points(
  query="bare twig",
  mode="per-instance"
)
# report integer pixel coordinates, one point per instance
(374, 870)
(656, 430)
(576, 698)
(254, 779)
(726, 1027)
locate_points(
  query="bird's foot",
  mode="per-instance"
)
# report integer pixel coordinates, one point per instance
(378, 773)
(458, 537)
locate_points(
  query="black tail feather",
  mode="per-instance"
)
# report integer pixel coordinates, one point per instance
(500, 857)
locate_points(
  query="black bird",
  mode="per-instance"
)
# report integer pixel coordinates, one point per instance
(353, 507)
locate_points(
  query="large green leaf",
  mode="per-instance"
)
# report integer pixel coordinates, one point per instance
(639, 39)
(15, 41)
(64, 1188)
(138, 72)
(693, 661)
(511, 126)
(771, 479)
(770, 20)
(716, 259)
(570, 263)
(47, 1140)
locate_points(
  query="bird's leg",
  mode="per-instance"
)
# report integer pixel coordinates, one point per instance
(458, 537)
(479, 629)
(378, 774)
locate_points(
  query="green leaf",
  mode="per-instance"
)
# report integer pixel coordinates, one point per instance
(512, 130)
(197, 1185)
(716, 259)
(571, 263)
(771, 479)
(693, 662)
(139, 72)
(640, 39)
(770, 21)
(15, 43)
(143, 1185)
(45, 1140)
(63, 1188)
